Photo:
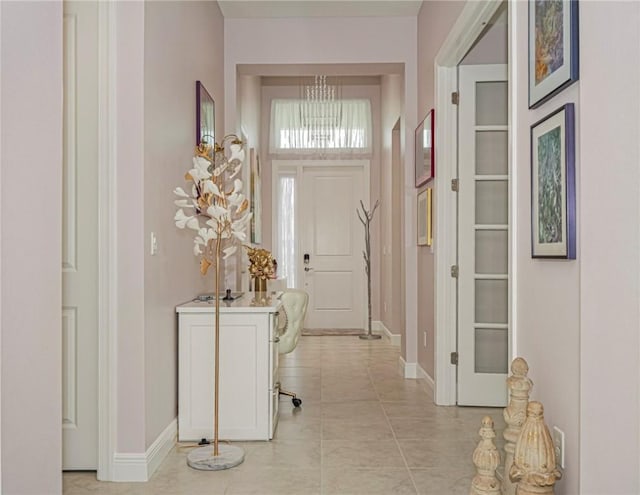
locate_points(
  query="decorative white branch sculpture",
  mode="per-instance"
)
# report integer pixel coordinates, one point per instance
(224, 210)
(365, 218)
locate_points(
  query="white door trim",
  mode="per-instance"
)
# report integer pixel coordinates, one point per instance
(107, 248)
(463, 34)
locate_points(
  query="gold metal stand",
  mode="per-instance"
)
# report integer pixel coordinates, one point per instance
(216, 457)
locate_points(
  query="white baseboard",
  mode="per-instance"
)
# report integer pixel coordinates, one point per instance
(401, 363)
(379, 327)
(414, 370)
(408, 370)
(140, 467)
(429, 382)
(129, 467)
(162, 445)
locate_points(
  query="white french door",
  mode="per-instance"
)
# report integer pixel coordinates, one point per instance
(483, 236)
(80, 238)
(325, 258)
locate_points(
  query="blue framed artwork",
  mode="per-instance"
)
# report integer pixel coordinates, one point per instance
(553, 48)
(553, 192)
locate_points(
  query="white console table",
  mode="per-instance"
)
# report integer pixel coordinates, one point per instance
(248, 399)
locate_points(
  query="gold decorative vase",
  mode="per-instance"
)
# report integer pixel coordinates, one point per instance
(260, 285)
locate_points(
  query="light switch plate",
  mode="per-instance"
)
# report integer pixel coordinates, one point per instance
(154, 244)
(558, 445)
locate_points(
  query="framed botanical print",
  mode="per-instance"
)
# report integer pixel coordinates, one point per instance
(553, 192)
(553, 48)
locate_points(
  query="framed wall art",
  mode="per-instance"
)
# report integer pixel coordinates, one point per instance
(553, 193)
(205, 116)
(425, 150)
(425, 232)
(553, 48)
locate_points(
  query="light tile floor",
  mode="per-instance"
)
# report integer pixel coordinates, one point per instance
(362, 429)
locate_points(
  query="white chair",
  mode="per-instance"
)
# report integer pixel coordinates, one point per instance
(290, 323)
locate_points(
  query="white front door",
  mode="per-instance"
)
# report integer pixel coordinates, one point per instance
(483, 236)
(80, 238)
(332, 246)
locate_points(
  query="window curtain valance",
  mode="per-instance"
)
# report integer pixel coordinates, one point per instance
(307, 127)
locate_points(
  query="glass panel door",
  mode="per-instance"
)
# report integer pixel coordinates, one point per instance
(483, 236)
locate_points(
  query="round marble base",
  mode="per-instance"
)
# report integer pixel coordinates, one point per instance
(373, 336)
(203, 459)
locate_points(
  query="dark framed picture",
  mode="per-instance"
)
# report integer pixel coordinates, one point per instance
(553, 192)
(553, 48)
(425, 150)
(205, 116)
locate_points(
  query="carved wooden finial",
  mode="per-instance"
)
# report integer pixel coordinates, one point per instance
(486, 458)
(515, 414)
(534, 462)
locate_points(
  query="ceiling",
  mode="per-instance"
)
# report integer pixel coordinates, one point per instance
(319, 8)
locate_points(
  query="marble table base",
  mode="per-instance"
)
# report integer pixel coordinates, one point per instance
(203, 459)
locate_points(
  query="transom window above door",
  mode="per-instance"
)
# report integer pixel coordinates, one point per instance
(341, 126)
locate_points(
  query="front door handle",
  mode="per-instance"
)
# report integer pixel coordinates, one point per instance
(307, 268)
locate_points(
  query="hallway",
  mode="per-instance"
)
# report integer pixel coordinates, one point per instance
(361, 430)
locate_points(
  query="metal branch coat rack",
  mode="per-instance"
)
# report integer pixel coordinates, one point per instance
(365, 218)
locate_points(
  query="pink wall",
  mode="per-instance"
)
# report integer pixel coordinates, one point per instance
(579, 371)
(249, 107)
(434, 23)
(492, 47)
(130, 226)
(547, 319)
(390, 213)
(183, 42)
(609, 249)
(31, 206)
(249, 104)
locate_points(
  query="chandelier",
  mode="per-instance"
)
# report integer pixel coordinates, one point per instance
(320, 111)
(320, 91)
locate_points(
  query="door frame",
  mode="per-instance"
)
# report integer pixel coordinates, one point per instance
(464, 33)
(107, 246)
(299, 165)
